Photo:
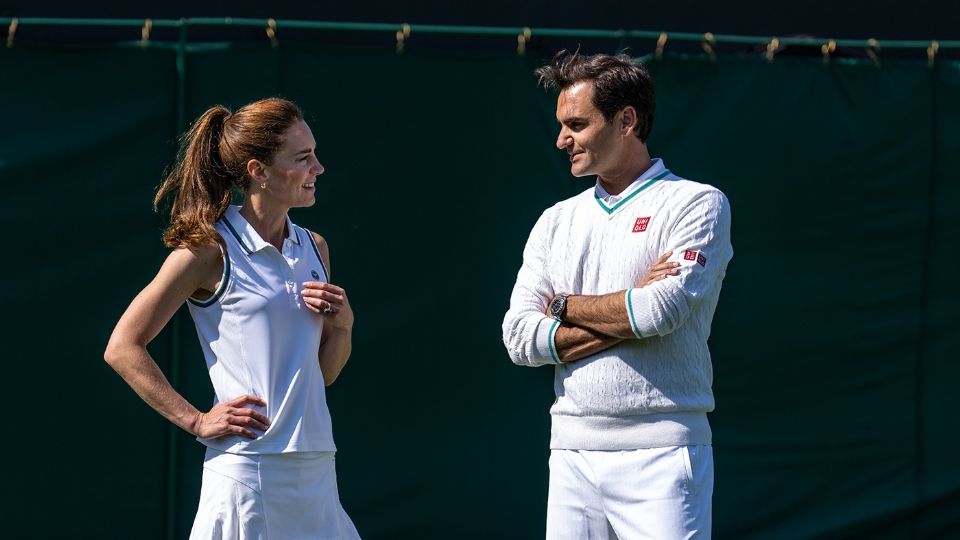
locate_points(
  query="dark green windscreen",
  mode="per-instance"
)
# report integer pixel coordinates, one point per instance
(834, 345)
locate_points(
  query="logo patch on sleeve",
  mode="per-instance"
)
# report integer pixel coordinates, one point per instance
(691, 255)
(641, 224)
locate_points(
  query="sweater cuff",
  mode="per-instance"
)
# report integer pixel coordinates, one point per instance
(544, 344)
(640, 320)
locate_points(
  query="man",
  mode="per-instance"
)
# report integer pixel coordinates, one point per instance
(630, 442)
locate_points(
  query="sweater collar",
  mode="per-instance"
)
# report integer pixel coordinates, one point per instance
(610, 203)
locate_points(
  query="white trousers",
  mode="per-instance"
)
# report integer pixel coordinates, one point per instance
(270, 497)
(651, 493)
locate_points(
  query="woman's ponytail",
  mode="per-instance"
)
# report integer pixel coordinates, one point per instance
(199, 183)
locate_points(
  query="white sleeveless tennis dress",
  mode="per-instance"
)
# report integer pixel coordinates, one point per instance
(259, 338)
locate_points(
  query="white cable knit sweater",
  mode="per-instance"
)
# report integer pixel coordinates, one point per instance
(647, 392)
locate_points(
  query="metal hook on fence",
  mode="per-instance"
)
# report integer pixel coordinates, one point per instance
(661, 41)
(522, 38)
(272, 32)
(827, 49)
(872, 47)
(402, 35)
(932, 51)
(145, 32)
(12, 30)
(621, 36)
(772, 49)
(708, 42)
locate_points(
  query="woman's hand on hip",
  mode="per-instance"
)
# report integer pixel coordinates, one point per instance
(232, 418)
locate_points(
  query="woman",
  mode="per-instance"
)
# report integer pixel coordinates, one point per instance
(274, 331)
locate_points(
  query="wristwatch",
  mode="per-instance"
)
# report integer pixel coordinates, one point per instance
(558, 307)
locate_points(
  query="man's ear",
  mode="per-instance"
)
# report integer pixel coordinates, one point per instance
(628, 120)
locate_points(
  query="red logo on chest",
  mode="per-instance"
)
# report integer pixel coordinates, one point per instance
(690, 255)
(641, 224)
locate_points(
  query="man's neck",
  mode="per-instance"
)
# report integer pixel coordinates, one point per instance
(615, 182)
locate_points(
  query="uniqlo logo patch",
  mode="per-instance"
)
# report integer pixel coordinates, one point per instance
(641, 224)
(690, 255)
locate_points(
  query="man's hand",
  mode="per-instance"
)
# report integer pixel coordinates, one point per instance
(231, 418)
(659, 270)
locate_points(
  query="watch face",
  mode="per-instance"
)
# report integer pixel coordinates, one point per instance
(556, 307)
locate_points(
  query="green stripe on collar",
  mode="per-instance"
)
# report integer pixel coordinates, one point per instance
(612, 209)
(237, 236)
(296, 233)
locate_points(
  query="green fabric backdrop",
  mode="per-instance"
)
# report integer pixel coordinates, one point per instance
(835, 342)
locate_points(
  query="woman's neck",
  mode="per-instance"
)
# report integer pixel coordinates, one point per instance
(270, 223)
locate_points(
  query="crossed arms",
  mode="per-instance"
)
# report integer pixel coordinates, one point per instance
(656, 306)
(596, 323)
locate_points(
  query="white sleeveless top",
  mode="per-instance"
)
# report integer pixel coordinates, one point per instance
(259, 338)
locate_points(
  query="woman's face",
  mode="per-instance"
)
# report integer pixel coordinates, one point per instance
(292, 175)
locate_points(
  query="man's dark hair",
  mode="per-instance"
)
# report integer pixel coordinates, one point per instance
(618, 82)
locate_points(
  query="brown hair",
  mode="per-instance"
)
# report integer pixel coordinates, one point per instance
(618, 82)
(213, 157)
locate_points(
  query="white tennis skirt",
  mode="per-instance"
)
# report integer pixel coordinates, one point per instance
(270, 497)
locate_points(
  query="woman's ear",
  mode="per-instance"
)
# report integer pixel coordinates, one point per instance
(255, 170)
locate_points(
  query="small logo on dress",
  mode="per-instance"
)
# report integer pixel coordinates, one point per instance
(691, 255)
(641, 224)
(314, 274)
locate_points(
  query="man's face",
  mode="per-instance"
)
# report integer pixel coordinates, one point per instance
(592, 142)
